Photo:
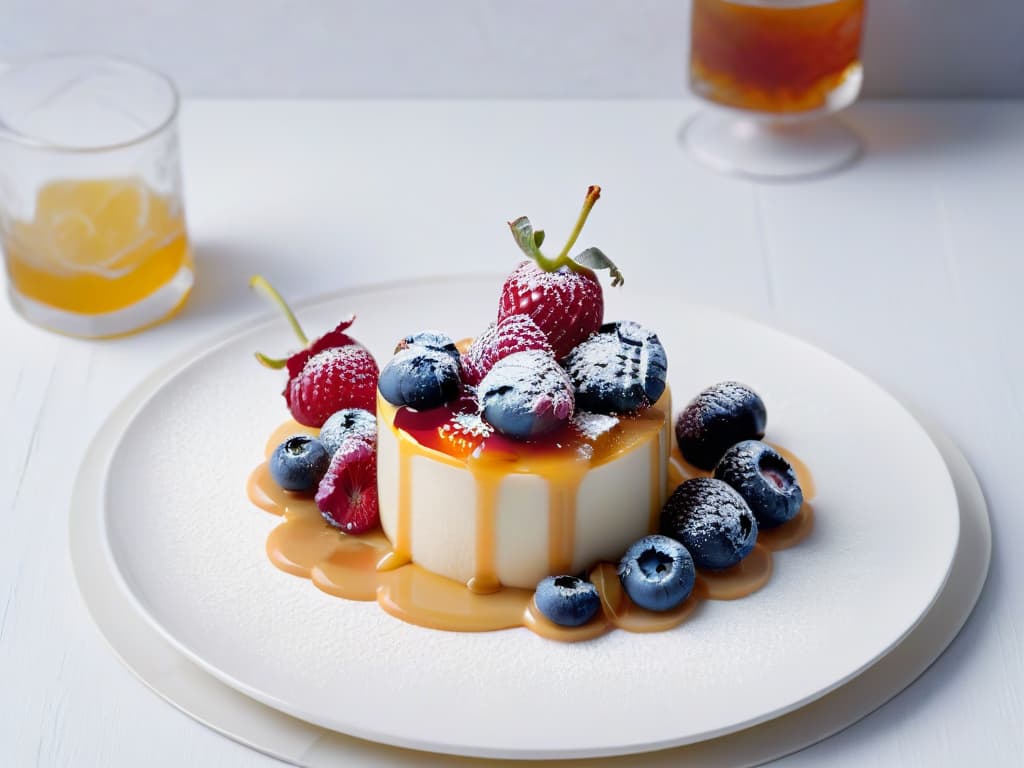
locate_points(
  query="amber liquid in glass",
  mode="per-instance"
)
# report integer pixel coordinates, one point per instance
(96, 246)
(755, 56)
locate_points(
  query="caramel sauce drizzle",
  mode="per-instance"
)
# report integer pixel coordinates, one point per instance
(485, 581)
(370, 567)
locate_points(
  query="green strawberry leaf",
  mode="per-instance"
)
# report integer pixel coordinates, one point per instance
(594, 258)
(522, 231)
(529, 242)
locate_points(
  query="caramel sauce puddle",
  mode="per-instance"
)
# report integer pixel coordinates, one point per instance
(368, 567)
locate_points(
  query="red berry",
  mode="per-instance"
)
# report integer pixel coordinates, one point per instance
(336, 378)
(515, 333)
(567, 305)
(347, 495)
(335, 338)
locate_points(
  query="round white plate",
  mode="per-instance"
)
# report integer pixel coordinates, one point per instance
(247, 721)
(190, 550)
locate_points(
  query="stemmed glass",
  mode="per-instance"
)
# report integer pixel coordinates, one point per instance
(773, 73)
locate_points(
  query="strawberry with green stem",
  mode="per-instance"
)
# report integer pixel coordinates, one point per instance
(329, 374)
(561, 295)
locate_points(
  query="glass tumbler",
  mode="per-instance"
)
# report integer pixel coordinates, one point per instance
(91, 220)
(772, 73)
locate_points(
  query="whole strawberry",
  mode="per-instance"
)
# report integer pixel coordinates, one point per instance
(331, 380)
(562, 295)
(327, 375)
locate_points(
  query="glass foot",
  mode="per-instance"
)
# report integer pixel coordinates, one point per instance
(158, 306)
(771, 149)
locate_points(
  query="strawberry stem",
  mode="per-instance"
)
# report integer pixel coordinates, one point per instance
(529, 240)
(270, 362)
(259, 283)
(593, 195)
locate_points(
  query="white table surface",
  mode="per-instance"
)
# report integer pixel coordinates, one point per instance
(909, 266)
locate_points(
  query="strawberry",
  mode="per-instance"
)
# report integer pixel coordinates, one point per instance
(322, 378)
(511, 334)
(335, 338)
(347, 495)
(566, 305)
(561, 295)
(336, 378)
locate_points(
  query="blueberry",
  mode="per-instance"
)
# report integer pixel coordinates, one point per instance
(346, 423)
(765, 481)
(711, 520)
(567, 600)
(298, 463)
(420, 378)
(620, 369)
(432, 340)
(657, 573)
(719, 417)
(526, 394)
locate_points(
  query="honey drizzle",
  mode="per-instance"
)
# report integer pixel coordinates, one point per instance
(351, 567)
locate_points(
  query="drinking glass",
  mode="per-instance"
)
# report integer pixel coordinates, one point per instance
(91, 219)
(772, 73)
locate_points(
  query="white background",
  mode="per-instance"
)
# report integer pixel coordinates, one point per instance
(343, 48)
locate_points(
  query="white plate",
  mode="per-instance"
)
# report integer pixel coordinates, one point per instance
(247, 721)
(189, 548)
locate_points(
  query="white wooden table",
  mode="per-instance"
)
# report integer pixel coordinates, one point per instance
(909, 266)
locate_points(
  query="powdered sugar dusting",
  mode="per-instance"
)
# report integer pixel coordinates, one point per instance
(703, 510)
(619, 370)
(336, 378)
(511, 334)
(593, 425)
(469, 425)
(727, 396)
(529, 383)
(567, 306)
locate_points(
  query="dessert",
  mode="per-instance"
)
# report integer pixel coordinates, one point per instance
(520, 477)
(471, 504)
(543, 450)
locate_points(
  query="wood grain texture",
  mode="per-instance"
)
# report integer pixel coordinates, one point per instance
(907, 266)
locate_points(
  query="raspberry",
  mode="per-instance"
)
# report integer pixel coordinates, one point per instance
(336, 378)
(515, 333)
(347, 495)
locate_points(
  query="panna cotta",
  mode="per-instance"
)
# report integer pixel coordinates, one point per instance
(467, 503)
